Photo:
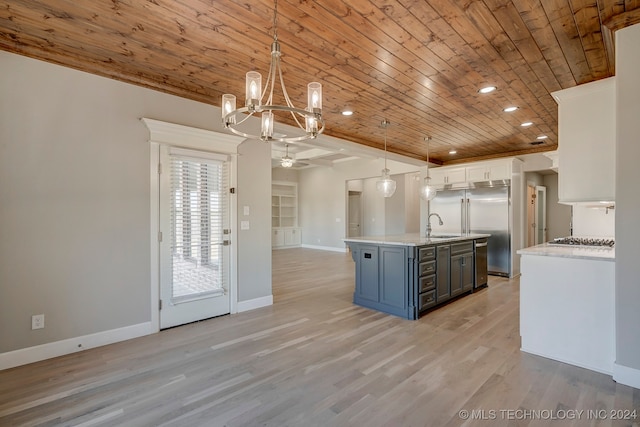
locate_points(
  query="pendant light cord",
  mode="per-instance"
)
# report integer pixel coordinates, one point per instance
(427, 139)
(385, 123)
(385, 145)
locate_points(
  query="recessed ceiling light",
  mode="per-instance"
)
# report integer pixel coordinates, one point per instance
(347, 113)
(452, 151)
(510, 109)
(526, 124)
(542, 137)
(487, 89)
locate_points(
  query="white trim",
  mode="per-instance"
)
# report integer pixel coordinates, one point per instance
(179, 136)
(326, 248)
(190, 137)
(252, 304)
(626, 375)
(568, 362)
(154, 221)
(37, 353)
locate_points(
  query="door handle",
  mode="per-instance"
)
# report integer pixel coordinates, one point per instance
(468, 217)
(480, 245)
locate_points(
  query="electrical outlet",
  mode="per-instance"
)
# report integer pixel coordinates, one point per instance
(37, 321)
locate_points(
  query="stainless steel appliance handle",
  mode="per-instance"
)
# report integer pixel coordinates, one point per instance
(481, 245)
(468, 217)
(462, 216)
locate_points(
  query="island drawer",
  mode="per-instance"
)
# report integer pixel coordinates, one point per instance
(427, 253)
(427, 300)
(426, 283)
(427, 268)
(458, 248)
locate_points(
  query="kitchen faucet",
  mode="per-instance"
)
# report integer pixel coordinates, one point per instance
(429, 223)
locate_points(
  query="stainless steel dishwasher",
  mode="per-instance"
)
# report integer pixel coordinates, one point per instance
(480, 256)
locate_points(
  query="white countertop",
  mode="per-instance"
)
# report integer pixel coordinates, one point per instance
(413, 239)
(581, 252)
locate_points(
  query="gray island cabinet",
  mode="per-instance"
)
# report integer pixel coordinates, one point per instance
(406, 275)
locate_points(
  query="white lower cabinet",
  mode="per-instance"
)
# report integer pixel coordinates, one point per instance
(285, 237)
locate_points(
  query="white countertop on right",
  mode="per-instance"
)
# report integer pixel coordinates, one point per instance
(569, 251)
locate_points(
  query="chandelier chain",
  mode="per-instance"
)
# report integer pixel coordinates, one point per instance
(275, 21)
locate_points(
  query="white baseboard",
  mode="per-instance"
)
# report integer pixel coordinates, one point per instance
(252, 304)
(37, 353)
(626, 375)
(325, 248)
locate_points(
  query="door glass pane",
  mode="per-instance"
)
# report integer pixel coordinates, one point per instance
(197, 221)
(540, 214)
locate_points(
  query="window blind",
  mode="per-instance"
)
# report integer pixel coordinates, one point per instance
(198, 219)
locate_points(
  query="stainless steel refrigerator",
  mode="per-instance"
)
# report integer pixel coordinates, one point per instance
(480, 208)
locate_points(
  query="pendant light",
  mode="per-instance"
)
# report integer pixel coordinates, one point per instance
(286, 161)
(385, 186)
(427, 192)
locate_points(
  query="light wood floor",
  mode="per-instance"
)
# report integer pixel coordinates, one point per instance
(315, 359)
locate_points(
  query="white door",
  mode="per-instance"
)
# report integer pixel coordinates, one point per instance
(541, 215)
(355, 215)
(194, 225)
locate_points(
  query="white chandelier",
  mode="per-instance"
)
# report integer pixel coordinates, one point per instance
(286, 161)
(311, 116)
(427, 192)
(385, 185)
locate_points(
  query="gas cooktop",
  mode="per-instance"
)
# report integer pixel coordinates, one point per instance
(583, 241)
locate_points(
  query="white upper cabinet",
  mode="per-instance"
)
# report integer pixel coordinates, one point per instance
(445, 175)
(489, 172)
(480, 171)
(587, 142)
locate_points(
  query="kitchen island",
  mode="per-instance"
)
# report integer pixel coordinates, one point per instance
(567, 304)
(408, 274)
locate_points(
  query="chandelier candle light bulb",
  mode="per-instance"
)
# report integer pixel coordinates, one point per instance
(253, 89)
(228, 106)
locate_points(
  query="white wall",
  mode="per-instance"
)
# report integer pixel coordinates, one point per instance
(284, 174)
(627, 367)
(412, 203)
(75, 201)
(558, 215)
(593, 220)
(254, 244)
(322, 196)
(533, 178)
(394, 208)
(373, 206)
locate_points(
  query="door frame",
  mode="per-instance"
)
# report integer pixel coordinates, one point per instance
(531, 215)
(175, 135)
(360, 209)
(538, 190)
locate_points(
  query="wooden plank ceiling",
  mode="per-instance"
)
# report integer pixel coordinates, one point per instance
(417, 63)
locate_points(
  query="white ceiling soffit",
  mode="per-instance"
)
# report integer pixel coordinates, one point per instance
(326, 150)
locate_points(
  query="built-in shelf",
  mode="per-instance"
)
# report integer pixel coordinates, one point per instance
(284, 214)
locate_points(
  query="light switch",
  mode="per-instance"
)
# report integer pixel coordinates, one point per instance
(338, 220)
(245, 210)
(244, 225)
